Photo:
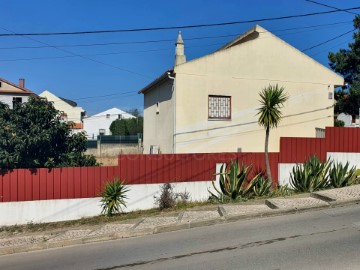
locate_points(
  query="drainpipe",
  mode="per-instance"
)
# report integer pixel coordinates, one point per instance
(174, 114)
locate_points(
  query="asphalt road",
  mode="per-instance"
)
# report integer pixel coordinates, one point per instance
(319, 239)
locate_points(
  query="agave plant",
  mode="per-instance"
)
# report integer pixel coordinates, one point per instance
(113, 197)
(341, 176)
(310, 176)
(262, 186)
(233, 182)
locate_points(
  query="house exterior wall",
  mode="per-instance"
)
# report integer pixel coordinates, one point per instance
(73, 113)
(242, 72)
(159, 123)
(94, 123)
(8, 98)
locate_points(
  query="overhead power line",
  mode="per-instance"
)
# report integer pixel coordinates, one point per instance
(325, 5)
(144, 51)
(327, 41)
(169, 40)
(74, 54)
(177, 27)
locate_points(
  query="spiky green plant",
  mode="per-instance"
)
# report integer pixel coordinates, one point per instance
(282, 191)
(262, 186)
(113, 197)
(271, 100)
(341, 176)
(310, 176)
(233, 182)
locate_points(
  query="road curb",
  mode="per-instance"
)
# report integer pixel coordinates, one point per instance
(133, 232)
(324, 197)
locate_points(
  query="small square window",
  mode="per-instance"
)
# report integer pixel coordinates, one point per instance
(219, 107)
(108, 116)
(16, 101)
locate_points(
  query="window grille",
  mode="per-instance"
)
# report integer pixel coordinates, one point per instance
(219, 107)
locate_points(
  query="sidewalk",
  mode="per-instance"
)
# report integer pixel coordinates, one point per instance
(177, 221)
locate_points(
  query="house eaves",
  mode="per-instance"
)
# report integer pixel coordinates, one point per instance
(160, 80)
(251, 34)
(22, 90)
(68, 101)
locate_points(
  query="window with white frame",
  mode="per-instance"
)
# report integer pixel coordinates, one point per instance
(219, 107)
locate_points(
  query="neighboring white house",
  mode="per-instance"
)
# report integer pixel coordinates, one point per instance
(210, 104)
(100, 123)
(11, 94)
(70, 111)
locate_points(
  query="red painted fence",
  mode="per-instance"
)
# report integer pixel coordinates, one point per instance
(87, 182)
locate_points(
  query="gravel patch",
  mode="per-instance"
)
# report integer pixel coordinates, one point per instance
(150, 223)
(343, 194)
(71, 234)
(236, 210)
(191, 216)
(299, 203)
(112, 228)
(24, 240)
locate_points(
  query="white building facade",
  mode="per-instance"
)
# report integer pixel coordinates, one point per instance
(100, 123)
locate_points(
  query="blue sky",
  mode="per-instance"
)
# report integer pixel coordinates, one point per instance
(129, 67)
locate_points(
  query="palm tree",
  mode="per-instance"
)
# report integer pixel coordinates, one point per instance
(271, 100)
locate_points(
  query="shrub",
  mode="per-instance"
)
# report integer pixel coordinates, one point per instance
(262, 187)
(233, 183)
(310, 176)
(113, 197)
(167, 197)
(341, 176)
(339, 123)
(282, 191)
(356, 177)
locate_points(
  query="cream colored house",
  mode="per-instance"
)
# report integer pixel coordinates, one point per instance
(210, 104)
(12, 94)
(71, 112)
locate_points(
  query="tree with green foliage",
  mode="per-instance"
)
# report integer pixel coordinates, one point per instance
(34, 136)
(347, 63)
(272, 99)
(131, 126)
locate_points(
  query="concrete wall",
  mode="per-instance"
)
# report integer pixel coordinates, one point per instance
(159, 118)
(241, 72)
(286, 168)
(110, 150)
(140, 197)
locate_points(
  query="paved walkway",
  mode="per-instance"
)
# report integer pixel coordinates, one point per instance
(179, 221)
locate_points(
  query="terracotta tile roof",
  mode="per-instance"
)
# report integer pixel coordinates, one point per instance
(22, 90)
(77, 126)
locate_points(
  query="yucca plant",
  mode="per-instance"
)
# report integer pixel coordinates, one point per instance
(341, 176)
(233, 182)
(262, 186)
(113, 197)
(310, 176)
